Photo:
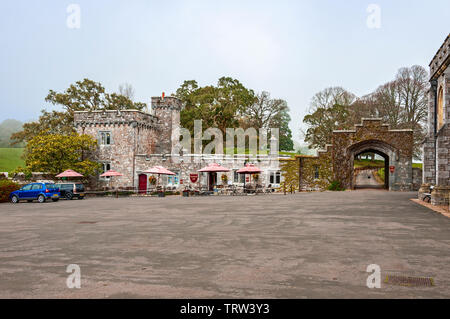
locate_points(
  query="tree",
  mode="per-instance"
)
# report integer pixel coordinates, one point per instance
(85, 95)
(269, 113)
(52, 122)
(126, 90)
(55, 153)
(323, 122)
(262, 113)
(329, 111)
(331, 96)
(286, 142)
(218, 106)
(401, 103)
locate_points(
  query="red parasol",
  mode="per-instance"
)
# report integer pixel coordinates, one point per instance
(69, 173)
(249, 169)
(214, 168)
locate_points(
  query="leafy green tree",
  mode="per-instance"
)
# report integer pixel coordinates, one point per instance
(85, 95)
(52, 122)
(286, 142)
(218, 106)
(55, 153)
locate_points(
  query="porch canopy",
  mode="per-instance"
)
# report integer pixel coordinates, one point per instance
(69, 173)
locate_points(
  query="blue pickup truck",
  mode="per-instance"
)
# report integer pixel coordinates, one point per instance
(36, 191)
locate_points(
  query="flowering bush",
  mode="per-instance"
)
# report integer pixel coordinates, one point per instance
(6, 187)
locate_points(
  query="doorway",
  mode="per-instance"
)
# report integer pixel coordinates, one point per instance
(142, 184)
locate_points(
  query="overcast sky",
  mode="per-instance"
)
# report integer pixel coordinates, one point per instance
(292, 49)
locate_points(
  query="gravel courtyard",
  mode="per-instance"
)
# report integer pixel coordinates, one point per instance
(309, 245)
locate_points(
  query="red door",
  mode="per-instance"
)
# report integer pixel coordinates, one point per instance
(142, 184)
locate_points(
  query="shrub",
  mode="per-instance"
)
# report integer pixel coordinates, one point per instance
(336, 186)
(6, 187)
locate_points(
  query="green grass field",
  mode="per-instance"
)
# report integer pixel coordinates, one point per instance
(10, 159)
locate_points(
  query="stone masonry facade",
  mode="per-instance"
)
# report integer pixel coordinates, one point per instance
(336, 163)
(436, 146)
(131, 142)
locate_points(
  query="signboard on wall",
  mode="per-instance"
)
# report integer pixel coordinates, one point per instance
(194, 178)
(392, 169)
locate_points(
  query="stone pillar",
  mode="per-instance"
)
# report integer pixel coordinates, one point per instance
(440, 196)
(429, 147)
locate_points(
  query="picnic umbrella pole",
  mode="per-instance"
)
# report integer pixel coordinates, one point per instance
(159, 170)
(213, 168)
(249, 169)
(111, 174)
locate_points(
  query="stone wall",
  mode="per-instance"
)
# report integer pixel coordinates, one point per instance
(374, 136)
(436, 146)
(417, 178)
(336, 163)
(167, 110)
(191, 163)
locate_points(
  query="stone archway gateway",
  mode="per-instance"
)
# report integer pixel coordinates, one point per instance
(336, 163)
(396, 146)
(379, 148)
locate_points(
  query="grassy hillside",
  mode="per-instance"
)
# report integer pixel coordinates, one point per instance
(10, 159)
(8, 127)
(368, 163)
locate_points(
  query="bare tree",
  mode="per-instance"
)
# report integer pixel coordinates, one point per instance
(263, 112)
(330, 97)
(127, 90)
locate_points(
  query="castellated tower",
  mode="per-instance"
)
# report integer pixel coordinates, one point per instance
(167, 110)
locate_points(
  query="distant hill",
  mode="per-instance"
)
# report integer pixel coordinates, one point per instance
(8, 127)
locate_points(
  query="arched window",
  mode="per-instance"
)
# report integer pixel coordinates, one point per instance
(440, 108)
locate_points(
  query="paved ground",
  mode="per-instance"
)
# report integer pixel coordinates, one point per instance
(366, 179)
(315, 245)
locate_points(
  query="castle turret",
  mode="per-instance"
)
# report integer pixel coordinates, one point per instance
(167, 110)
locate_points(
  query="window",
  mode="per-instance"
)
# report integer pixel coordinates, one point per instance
(440, 110)
(173, 180)
(106, 167)
(105, 138)
(275, 177)
(238, 178)
(27, 188)
(316, 172)
(36, 187)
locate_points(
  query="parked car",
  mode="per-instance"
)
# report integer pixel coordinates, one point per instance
(71, 190)
(36, 191)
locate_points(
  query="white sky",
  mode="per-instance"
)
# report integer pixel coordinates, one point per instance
(292, 49)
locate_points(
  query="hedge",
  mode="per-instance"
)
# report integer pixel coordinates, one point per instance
(6, 187)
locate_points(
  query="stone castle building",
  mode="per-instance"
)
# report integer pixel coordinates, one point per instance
(436, 146)
(131, 142)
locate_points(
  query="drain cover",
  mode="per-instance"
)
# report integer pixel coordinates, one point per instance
(409, 281)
